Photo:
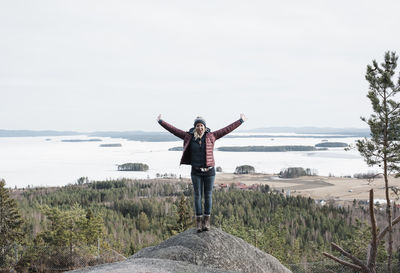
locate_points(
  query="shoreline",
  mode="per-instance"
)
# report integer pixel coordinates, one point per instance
(316, 187)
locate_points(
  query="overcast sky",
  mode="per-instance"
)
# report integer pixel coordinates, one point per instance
(115, 65)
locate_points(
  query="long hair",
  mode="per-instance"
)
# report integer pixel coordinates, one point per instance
(196, 135)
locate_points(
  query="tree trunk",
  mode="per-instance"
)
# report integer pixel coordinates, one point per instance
(373, 245)
(398, 265)
(389, 220)
(385, 174)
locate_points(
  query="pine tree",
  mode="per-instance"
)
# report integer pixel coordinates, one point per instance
(68, 234)
(66, 228)
(383, 148)
(183, 213)
(93, 227)
(182, 221)
(143, 222)
(10, 225)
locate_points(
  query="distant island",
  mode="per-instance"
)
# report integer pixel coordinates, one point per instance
(332, 144)
(180, 148)
(295, 148)
(82, 140)
(135, 167)
(111, 145)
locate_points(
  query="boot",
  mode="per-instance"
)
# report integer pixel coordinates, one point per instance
(206, 222)
(199, 223)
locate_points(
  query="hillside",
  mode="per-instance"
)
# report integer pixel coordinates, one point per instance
(126, 216)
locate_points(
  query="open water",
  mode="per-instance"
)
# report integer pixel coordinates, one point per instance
(48, 161)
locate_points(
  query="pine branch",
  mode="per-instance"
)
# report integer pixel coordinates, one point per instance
(394, 156)
(378, 91)
(356, 267)
(380, 116)
(372, 154)
(394, 109)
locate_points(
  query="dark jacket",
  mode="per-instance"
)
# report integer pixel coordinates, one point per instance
(211, 137)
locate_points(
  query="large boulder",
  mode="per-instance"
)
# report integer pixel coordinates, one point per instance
(211, 251)
(147, 265)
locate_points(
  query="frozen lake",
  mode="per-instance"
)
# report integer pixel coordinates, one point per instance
(48, 161)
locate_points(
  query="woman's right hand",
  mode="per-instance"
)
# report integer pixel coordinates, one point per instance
(159, 117)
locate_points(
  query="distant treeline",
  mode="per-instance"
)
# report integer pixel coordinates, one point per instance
(111, 145)
(29, 133)
(286, 148)
(180, 148)
(82, 140)
(313, 130)
(293, 172)
(294, 136)
(138, 136)
(165, 136)
(294, 148)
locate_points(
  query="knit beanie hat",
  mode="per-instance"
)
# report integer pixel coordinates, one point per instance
(199, 120)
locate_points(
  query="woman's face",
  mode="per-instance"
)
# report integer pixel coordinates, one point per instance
(200, 128)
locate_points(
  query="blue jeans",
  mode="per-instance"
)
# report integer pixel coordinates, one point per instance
(201, 183)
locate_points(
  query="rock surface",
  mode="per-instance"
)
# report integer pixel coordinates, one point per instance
(149, 266)
(211, 251)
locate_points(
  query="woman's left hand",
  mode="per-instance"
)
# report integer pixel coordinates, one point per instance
(243, 117)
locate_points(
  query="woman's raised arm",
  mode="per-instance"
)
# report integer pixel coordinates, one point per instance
(226, 130)
(170, 128)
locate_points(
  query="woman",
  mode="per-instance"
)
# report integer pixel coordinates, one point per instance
(198, 148)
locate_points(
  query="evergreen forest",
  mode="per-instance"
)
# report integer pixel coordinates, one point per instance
(72, 226)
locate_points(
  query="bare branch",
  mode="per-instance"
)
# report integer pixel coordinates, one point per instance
(348, 255)
(371, 179)
(383, 232)
(356, 267)
(395, 190)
